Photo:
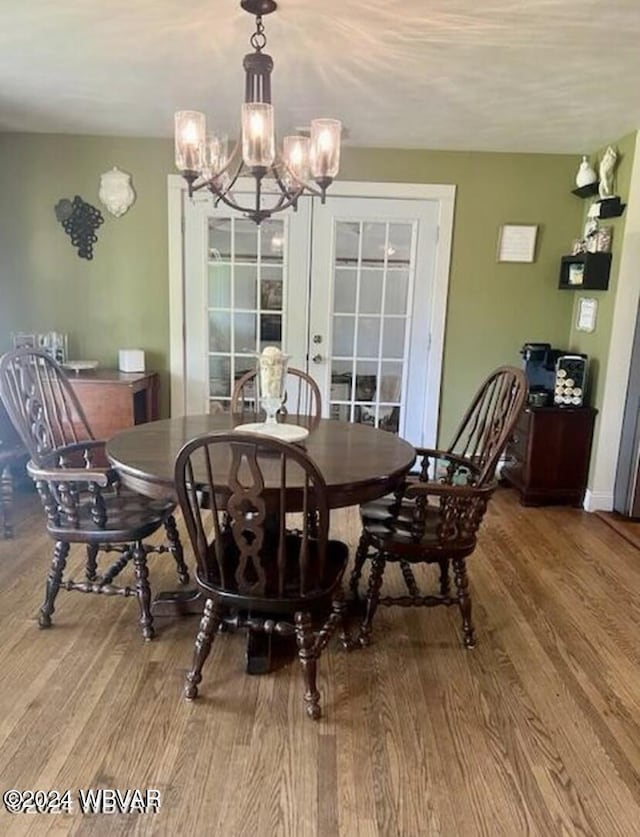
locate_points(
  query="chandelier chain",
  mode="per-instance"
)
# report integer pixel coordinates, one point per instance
(259, 40)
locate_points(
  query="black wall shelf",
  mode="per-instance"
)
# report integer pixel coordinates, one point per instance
(585, 272)
(587, 191)
(611, 207)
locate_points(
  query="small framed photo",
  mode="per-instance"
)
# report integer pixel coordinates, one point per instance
(517, 242)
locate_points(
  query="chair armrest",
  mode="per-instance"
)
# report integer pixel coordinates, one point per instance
(432, 453)
(448, 456)
(78, 458)
(444, 467)
(101, 477)
(441, 489)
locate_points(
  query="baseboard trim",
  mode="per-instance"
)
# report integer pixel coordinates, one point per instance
(598, 500)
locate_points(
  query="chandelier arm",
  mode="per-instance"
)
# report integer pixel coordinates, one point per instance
(234, 179)
(257, 214)
(301, 185)
(222, 196)
(231, 161)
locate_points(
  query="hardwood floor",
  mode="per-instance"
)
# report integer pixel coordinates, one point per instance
(536, 731)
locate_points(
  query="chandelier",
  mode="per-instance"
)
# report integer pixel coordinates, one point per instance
(204, 161)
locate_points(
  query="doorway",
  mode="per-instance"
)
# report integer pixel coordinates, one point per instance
(353, 290)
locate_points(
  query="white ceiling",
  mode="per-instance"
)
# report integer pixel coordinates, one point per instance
(499, 75)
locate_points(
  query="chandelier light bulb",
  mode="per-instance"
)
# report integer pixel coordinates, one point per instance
(258, 140)
(190, 127)
(325, 148)
(257, 126)
(296, 156)
(216, 157)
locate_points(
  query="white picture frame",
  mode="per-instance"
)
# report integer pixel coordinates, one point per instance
(517, 242)
(587, 314)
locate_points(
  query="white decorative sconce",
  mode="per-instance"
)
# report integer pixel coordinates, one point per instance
(116, 191)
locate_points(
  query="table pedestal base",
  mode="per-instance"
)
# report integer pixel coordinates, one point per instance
(178, 603)
(260, 645)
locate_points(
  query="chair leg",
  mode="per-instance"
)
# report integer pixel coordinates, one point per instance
(175, 545)
(464, 600)
(6, 501)
(373, 596)
(54, 579)
(339, 607)
(92, 562)
(444, 576)
(308, 656)
(117, 566)
(204, 640)
(143, 591)
(361, 557)
(409, 579)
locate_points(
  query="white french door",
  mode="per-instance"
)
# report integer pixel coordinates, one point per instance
(354, 290)
(370, 314)
(245, 288)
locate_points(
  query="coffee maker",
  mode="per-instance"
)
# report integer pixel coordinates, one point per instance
(555, 376)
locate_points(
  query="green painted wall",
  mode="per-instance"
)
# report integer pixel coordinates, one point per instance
(120, 299)
(117, 300)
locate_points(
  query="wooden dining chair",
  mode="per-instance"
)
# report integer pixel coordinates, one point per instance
(302, 395)
(247, 561)
(13, 456)
(81, 493)
(434, 517)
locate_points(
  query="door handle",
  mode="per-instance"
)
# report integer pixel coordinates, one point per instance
(317, 358)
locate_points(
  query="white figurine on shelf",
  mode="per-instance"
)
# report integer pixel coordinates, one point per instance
(607, 165)
(586, 175)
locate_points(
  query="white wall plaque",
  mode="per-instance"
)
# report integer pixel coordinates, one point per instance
(116, 191)
(587, 311)
(517, 242)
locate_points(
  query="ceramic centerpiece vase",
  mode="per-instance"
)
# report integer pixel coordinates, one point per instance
(270, 381)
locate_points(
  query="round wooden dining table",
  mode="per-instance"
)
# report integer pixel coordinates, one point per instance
(358, 463)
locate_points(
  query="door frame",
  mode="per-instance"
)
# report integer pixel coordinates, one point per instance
(444, 194)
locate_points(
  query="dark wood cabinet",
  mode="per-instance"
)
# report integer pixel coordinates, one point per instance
(548, 455)
(114, 400)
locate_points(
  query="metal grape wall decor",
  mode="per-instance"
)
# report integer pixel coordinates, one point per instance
(79, 220)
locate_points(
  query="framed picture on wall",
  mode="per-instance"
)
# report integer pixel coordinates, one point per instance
(517, 242)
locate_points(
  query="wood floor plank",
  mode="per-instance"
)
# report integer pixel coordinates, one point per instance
(536, 731)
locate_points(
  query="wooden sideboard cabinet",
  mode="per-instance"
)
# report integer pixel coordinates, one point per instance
(548, 455)
(114, 400)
